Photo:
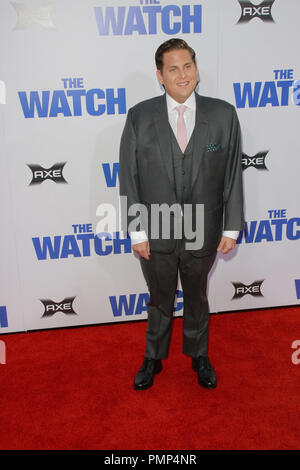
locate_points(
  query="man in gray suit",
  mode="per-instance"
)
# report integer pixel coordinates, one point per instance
(184, 149)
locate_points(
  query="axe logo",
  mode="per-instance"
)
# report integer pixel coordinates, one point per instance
(65, 306)
(40, 174)
(250, 11)
(258, 161)
(241, 289)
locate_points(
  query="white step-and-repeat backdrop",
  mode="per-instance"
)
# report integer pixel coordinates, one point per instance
(69, 72)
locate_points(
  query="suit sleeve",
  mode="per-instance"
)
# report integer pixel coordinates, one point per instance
(128, 174)
(233, 184)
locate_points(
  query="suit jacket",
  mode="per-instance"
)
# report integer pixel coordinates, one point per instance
(146, 167)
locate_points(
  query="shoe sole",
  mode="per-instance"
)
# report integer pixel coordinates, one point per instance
(145, 387)
(206, 386)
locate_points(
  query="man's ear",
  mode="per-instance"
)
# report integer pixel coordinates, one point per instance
(159, 77)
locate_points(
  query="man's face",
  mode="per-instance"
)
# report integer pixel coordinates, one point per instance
(179, 74)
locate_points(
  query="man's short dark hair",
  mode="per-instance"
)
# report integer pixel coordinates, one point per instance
(171, 45)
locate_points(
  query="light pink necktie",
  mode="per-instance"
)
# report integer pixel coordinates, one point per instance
(181, 128)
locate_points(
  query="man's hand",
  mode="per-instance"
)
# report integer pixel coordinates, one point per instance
(142, 249)
(226, 244)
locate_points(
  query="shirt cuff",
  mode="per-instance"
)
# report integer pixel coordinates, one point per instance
(138, 237)
(231, 234)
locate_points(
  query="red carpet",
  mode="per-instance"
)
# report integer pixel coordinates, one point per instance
(72, 388)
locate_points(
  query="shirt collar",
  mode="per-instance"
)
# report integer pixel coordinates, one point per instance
(189, 103)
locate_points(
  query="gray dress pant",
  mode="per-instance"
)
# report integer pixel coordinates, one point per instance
(161, 275)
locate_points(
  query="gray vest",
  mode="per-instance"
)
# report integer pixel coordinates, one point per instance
(182, 165)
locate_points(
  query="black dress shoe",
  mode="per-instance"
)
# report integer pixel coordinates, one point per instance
(206, 375)
(144, 377)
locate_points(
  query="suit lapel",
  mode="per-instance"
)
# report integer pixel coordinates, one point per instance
(162, 127)
(200, 138)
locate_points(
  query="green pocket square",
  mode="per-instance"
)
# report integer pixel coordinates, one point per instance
(213, 147)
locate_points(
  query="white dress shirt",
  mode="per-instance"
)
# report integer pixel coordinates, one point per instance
(189, 119)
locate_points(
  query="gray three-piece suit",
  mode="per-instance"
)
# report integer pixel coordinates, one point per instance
(153, 170)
